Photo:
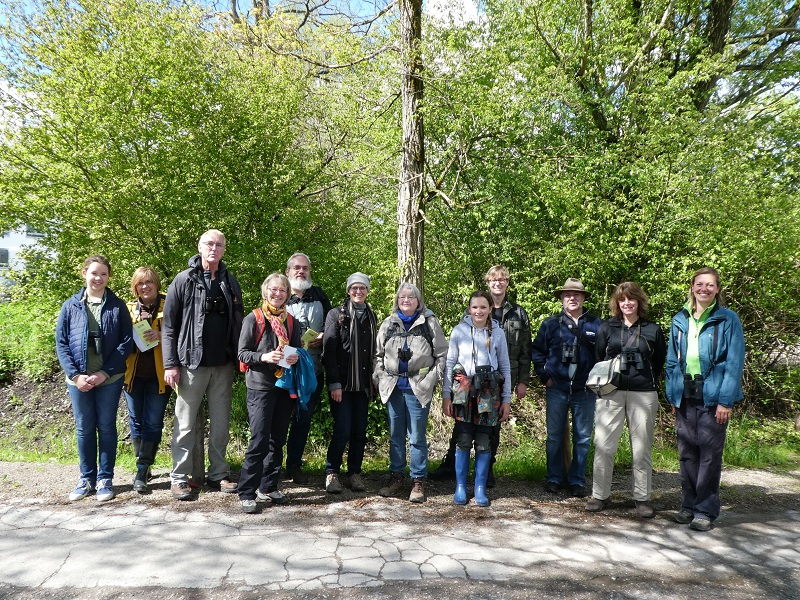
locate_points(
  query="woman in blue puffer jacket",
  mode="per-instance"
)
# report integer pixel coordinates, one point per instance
(705, 360)
(93, 340)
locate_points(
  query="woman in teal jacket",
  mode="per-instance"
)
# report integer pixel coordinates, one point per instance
(705, 359)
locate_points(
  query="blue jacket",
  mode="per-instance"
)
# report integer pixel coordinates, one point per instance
(72, 334)
(547, 348)
(723, 385)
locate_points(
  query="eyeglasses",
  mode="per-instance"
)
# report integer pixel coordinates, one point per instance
(276, 290)
(358, 288)
(405, 298)
(495, 281)
(300, 268)
(213, 244)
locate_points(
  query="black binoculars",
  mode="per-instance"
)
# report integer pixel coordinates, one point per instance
(692, 387)
(405, 354)
(96, 341)
(629, 358)
(484, 377)
(215, 305)
(569, 352)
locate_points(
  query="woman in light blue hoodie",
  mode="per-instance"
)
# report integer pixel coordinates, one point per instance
(476, 391)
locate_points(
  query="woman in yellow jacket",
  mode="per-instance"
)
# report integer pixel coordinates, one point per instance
(145, 390)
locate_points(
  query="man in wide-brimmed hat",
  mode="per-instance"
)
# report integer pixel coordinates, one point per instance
(562, 356)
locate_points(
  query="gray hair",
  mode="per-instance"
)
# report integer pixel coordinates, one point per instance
(295, 255)
(407, 285)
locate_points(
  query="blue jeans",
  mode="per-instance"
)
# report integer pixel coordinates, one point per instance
(349, 426)
(301, 425)
(581, 404)
(95, 414)
(407, 417)
(146, 408)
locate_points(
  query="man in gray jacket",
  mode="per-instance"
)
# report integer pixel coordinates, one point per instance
(203, 315)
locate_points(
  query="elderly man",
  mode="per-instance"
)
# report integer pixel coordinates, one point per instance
(517, 328)
(562, 355)
(203, 315)
(309, 306)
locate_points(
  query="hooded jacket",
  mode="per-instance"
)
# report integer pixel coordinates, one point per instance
(182, 331)
(723, 380)
(72, 334)
(426, 365)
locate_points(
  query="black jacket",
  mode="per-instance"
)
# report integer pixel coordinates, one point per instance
(182, 328)
(261, 375)
(344, 368)
(517, 328)
(614, 334)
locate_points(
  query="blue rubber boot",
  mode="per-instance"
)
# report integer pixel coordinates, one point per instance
(483, 461)
(462, 469)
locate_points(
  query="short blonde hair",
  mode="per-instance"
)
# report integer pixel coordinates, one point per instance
(143, 274)
(272, 277)
(495, 271)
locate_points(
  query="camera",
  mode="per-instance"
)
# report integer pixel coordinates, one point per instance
(97, 343)
(569, 352)
(405, 354)
(692, 387)
(216, 306)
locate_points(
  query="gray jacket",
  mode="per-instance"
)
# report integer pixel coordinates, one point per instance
(426, 366)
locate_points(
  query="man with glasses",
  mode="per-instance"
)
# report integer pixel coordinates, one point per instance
(517, 328)
(563, 354)
(203, 315)
(309, 306)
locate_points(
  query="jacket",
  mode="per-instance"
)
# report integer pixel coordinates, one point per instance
(310, 311)
(467, 342)
(426, 366)
(614, 334)
(517, 329)
(158, 355)
(261, 375)
(72, 334)
(723, 384)
(182, 328)
(345, 369)
(546, 352)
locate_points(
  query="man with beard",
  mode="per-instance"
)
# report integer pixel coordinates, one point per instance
(309, 306)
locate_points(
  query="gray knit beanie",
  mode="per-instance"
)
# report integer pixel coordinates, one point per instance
(357, 277)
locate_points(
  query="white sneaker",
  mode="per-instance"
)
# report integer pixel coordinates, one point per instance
(83, 489)
(104, 490)
(332, 484)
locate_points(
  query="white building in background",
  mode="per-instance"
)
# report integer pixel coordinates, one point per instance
(11, 242)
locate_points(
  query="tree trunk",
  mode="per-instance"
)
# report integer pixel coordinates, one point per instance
(410, 224)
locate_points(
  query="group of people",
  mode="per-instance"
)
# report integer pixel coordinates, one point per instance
(192, 338)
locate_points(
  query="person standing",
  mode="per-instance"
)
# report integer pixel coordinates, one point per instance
(642, 350)
(517, 329)
(409, 362)
(309, 306)
(349, 350)
(203, 315)
(563, 353)
(705, 361)
(145, 390)
(93, 339)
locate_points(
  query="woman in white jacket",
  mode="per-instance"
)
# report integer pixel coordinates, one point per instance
(476, 391)
(409, 362)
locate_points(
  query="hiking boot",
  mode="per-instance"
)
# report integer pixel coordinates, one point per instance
(332, 483)
(417, 490)
(248, 506)
(700, 523)
(223, 485)
(644, 509)
(684, 517)
(105, 491)
(551, 487)
(356, 483)
(595, 505)
(83, 489)
(295, 473)
(577, 491)
(181, 491)
(393, 487)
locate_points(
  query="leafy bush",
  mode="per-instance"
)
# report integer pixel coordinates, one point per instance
(27, 339)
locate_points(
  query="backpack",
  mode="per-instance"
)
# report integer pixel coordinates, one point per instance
(261, 327)
(396, 329)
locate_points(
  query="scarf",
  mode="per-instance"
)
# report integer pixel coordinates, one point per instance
(277, 317)
(370, 329)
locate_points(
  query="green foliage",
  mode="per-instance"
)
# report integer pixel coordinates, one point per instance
(27, 339)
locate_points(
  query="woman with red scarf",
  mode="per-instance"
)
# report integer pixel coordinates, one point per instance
(261, 347)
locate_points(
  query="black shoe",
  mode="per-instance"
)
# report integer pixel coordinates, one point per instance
(444, 472)
(577, 491)
(551, 488)
(490, 478)
(684, 517)
(295, 473)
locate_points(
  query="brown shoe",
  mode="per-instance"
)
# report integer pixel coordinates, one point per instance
(181, 491)
(223, 485)
(595, 505)
(356, 483)
(644, 509)
(417, 490)
(295, 473)
(393, 486)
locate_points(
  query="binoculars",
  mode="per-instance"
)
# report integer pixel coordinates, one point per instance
(215, 305)
(569, 352)
(692, 387)
(97, 343)
(631, 358)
